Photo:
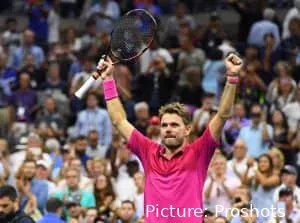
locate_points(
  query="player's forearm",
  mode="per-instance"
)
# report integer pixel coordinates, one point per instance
(116, 111)
(227, 101)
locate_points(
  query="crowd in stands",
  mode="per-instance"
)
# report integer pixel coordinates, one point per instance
(64, 156)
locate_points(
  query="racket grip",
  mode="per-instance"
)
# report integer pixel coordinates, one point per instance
(89, 83)
(85, 87)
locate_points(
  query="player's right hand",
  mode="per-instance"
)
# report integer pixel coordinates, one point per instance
(106, 68)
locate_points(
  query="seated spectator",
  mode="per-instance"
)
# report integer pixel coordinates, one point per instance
(251, 88)
(53, 81)
(91, 215)
(105, 13)
(50, 122)
(141, 110)
(233, 125)
(94, 118)
(173, 23)
(257, 135)
(54, 208)
(288, 180)
(104, 195)
(95, 149)
(202, 114)
(126, 213)
(277, 159)
(23, 102)
(73, 194)
(218, 188)
(290, 45)
(18, 55)
(30, 187)
(291, 112)
(213, 69)
(262, 183)
(261, 28)
(281, 92)
(237, 166)
(282, 137)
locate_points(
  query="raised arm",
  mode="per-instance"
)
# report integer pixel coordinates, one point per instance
(233, 66)
(114, 106)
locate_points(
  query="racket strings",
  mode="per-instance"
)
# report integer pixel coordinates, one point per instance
(132, 35)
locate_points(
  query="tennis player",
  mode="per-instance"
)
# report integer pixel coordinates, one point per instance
(176, 170)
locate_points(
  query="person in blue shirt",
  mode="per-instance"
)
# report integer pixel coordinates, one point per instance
(54, 209)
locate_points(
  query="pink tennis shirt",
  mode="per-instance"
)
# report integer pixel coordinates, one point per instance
(173, 187)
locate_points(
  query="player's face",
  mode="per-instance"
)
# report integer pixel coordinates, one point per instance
(173, 131)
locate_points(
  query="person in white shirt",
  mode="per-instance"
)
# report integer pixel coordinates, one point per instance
(291, 214)
(289, 179)
(238, 164)
(291, 110)
(219, 188)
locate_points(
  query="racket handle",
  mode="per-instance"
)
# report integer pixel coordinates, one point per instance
(89, 83)
(85, 87)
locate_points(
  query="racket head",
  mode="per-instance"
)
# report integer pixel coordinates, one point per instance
(132, 35)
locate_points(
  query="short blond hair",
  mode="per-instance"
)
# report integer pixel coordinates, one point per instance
(178, 109)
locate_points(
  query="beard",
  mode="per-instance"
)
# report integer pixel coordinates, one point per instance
(172, 143)
(6, 217)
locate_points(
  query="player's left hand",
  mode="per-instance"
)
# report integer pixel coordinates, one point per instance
(233, 64)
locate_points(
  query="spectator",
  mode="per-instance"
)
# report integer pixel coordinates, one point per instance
(233, 126)
(54, 209)
(50, 122)
(291, 214)
(53, 23)
(94, 148)
(18, 55)
(91, 215)
(29, 186)
(288, 179)
(251, 87)
(126, 213)
(173, 23)
(238, 164)
(73, 196)
(105, 195)
(23, 102)
(139, 180)
(262, 183)
(150, 86)
(53, 81)
(293, 12)
(282, 137)
(10, 211)
(95, 118)
(218, 188)
(258, 134)
(85, 183)
(141, 116)
(290, 111)
(277, 159)
(105, 12)
(11, 37)
(261, 28)
(38, 21)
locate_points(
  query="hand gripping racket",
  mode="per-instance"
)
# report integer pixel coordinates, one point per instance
(130, 38)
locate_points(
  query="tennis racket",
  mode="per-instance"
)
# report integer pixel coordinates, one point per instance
(131, 37)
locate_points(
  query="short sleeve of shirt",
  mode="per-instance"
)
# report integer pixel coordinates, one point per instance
(204, 148)
(140, 145)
